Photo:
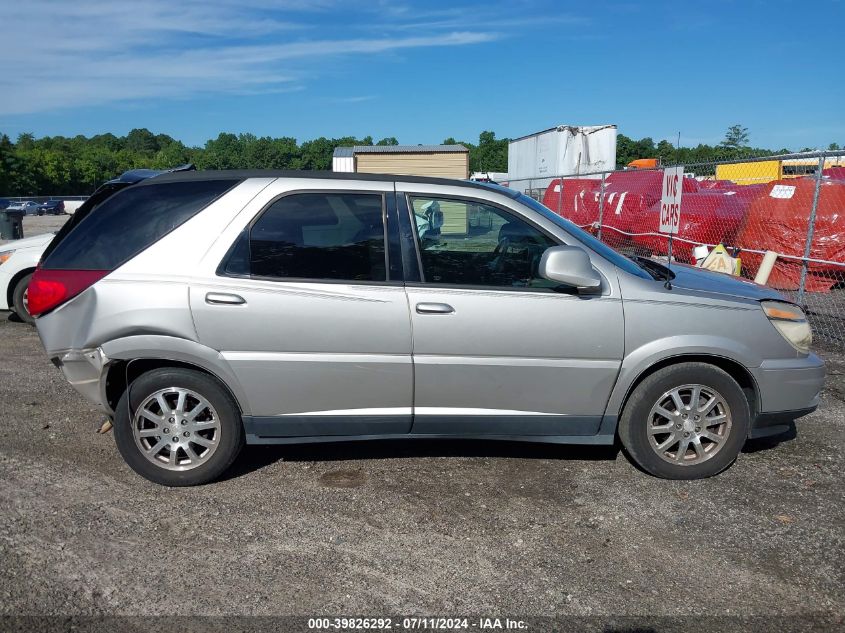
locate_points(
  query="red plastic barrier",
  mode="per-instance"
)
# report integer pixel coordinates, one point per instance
(628, 196)
(647, 183)
(778, 221)
(709, 216)
(834, 173)
(716, 184)
(572, 202)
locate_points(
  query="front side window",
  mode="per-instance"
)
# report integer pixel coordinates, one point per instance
(336, 236)
(469, 243)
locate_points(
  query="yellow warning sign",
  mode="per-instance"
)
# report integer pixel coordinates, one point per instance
(720, 261)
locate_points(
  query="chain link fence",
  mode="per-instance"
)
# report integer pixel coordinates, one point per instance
(782, 216)
(42, 198)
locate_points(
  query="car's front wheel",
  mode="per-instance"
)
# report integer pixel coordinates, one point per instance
(178, 427)
(685, 421)
(20, 301)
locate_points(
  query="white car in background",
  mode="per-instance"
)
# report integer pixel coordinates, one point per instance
(18, 260)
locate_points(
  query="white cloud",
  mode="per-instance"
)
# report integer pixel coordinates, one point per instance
(59, 54)
(357, 99)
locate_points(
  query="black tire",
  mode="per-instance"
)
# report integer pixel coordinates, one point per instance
(18, 304)
(231, 426)
(633, 425)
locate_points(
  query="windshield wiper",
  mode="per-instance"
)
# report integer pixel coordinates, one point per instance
(657, 270)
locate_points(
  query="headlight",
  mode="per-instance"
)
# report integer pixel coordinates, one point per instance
(4, 255)
(791, 322)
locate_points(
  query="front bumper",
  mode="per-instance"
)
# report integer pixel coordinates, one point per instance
(787, 389)
(5, 280)
(767, 424)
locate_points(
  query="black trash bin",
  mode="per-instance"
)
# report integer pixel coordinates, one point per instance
(11, 225)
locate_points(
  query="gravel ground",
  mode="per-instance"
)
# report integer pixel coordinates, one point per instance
(426, 527)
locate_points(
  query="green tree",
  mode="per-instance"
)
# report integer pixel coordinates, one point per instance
(224, 152)
(736, 137)
(95, 165)
(666, 152)
(26, 141)
(171, 155)
(79, 164)
(142, 141)
(490, 154)
(317, 154)
(8, 163)
(628, 149)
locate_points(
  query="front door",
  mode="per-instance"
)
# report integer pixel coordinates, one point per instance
(498, 350)
(311, 316)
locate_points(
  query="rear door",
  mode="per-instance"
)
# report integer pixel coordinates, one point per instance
(307, 306)
(497, 349)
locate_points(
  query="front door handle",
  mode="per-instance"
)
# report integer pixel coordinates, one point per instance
(434, 308)
(224, 299)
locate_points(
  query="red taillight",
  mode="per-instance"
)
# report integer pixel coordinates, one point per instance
(51, 288)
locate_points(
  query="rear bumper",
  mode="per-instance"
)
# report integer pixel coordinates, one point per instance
(788, 390)
(85, 370)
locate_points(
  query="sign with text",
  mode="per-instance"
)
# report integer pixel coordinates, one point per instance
(670, 201)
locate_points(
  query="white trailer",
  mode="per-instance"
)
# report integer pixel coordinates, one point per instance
(569, 150)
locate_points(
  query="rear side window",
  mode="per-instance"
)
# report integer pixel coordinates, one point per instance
(333, 236)
(131, 221)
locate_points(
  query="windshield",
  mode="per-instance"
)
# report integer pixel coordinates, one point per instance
(585, 238)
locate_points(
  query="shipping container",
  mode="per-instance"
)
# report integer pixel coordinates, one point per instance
(756, 173)
(763, 172)
(562, 150)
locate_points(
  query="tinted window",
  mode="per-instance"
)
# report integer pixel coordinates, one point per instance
(337, 236)
(130, 221)
(474, 244)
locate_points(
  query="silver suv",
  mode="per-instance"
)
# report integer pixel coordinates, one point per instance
(203, 310)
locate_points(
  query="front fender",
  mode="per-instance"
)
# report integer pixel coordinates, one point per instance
(642, 358)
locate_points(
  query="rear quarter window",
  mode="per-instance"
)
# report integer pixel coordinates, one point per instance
(131, 221)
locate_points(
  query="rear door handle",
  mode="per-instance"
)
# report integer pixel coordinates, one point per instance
(224, 299)
(434, 308)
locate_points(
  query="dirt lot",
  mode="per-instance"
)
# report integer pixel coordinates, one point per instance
(403, 528)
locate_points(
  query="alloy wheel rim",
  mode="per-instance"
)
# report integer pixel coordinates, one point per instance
(689, 424)
(25, 300)
(176, 429)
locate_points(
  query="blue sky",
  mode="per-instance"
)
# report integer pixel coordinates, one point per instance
(422, 71)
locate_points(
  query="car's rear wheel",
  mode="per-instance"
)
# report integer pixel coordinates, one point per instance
(178, 427)
(685, 421)
(20, 302)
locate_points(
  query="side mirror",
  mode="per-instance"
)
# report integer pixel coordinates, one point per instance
(569, 265)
